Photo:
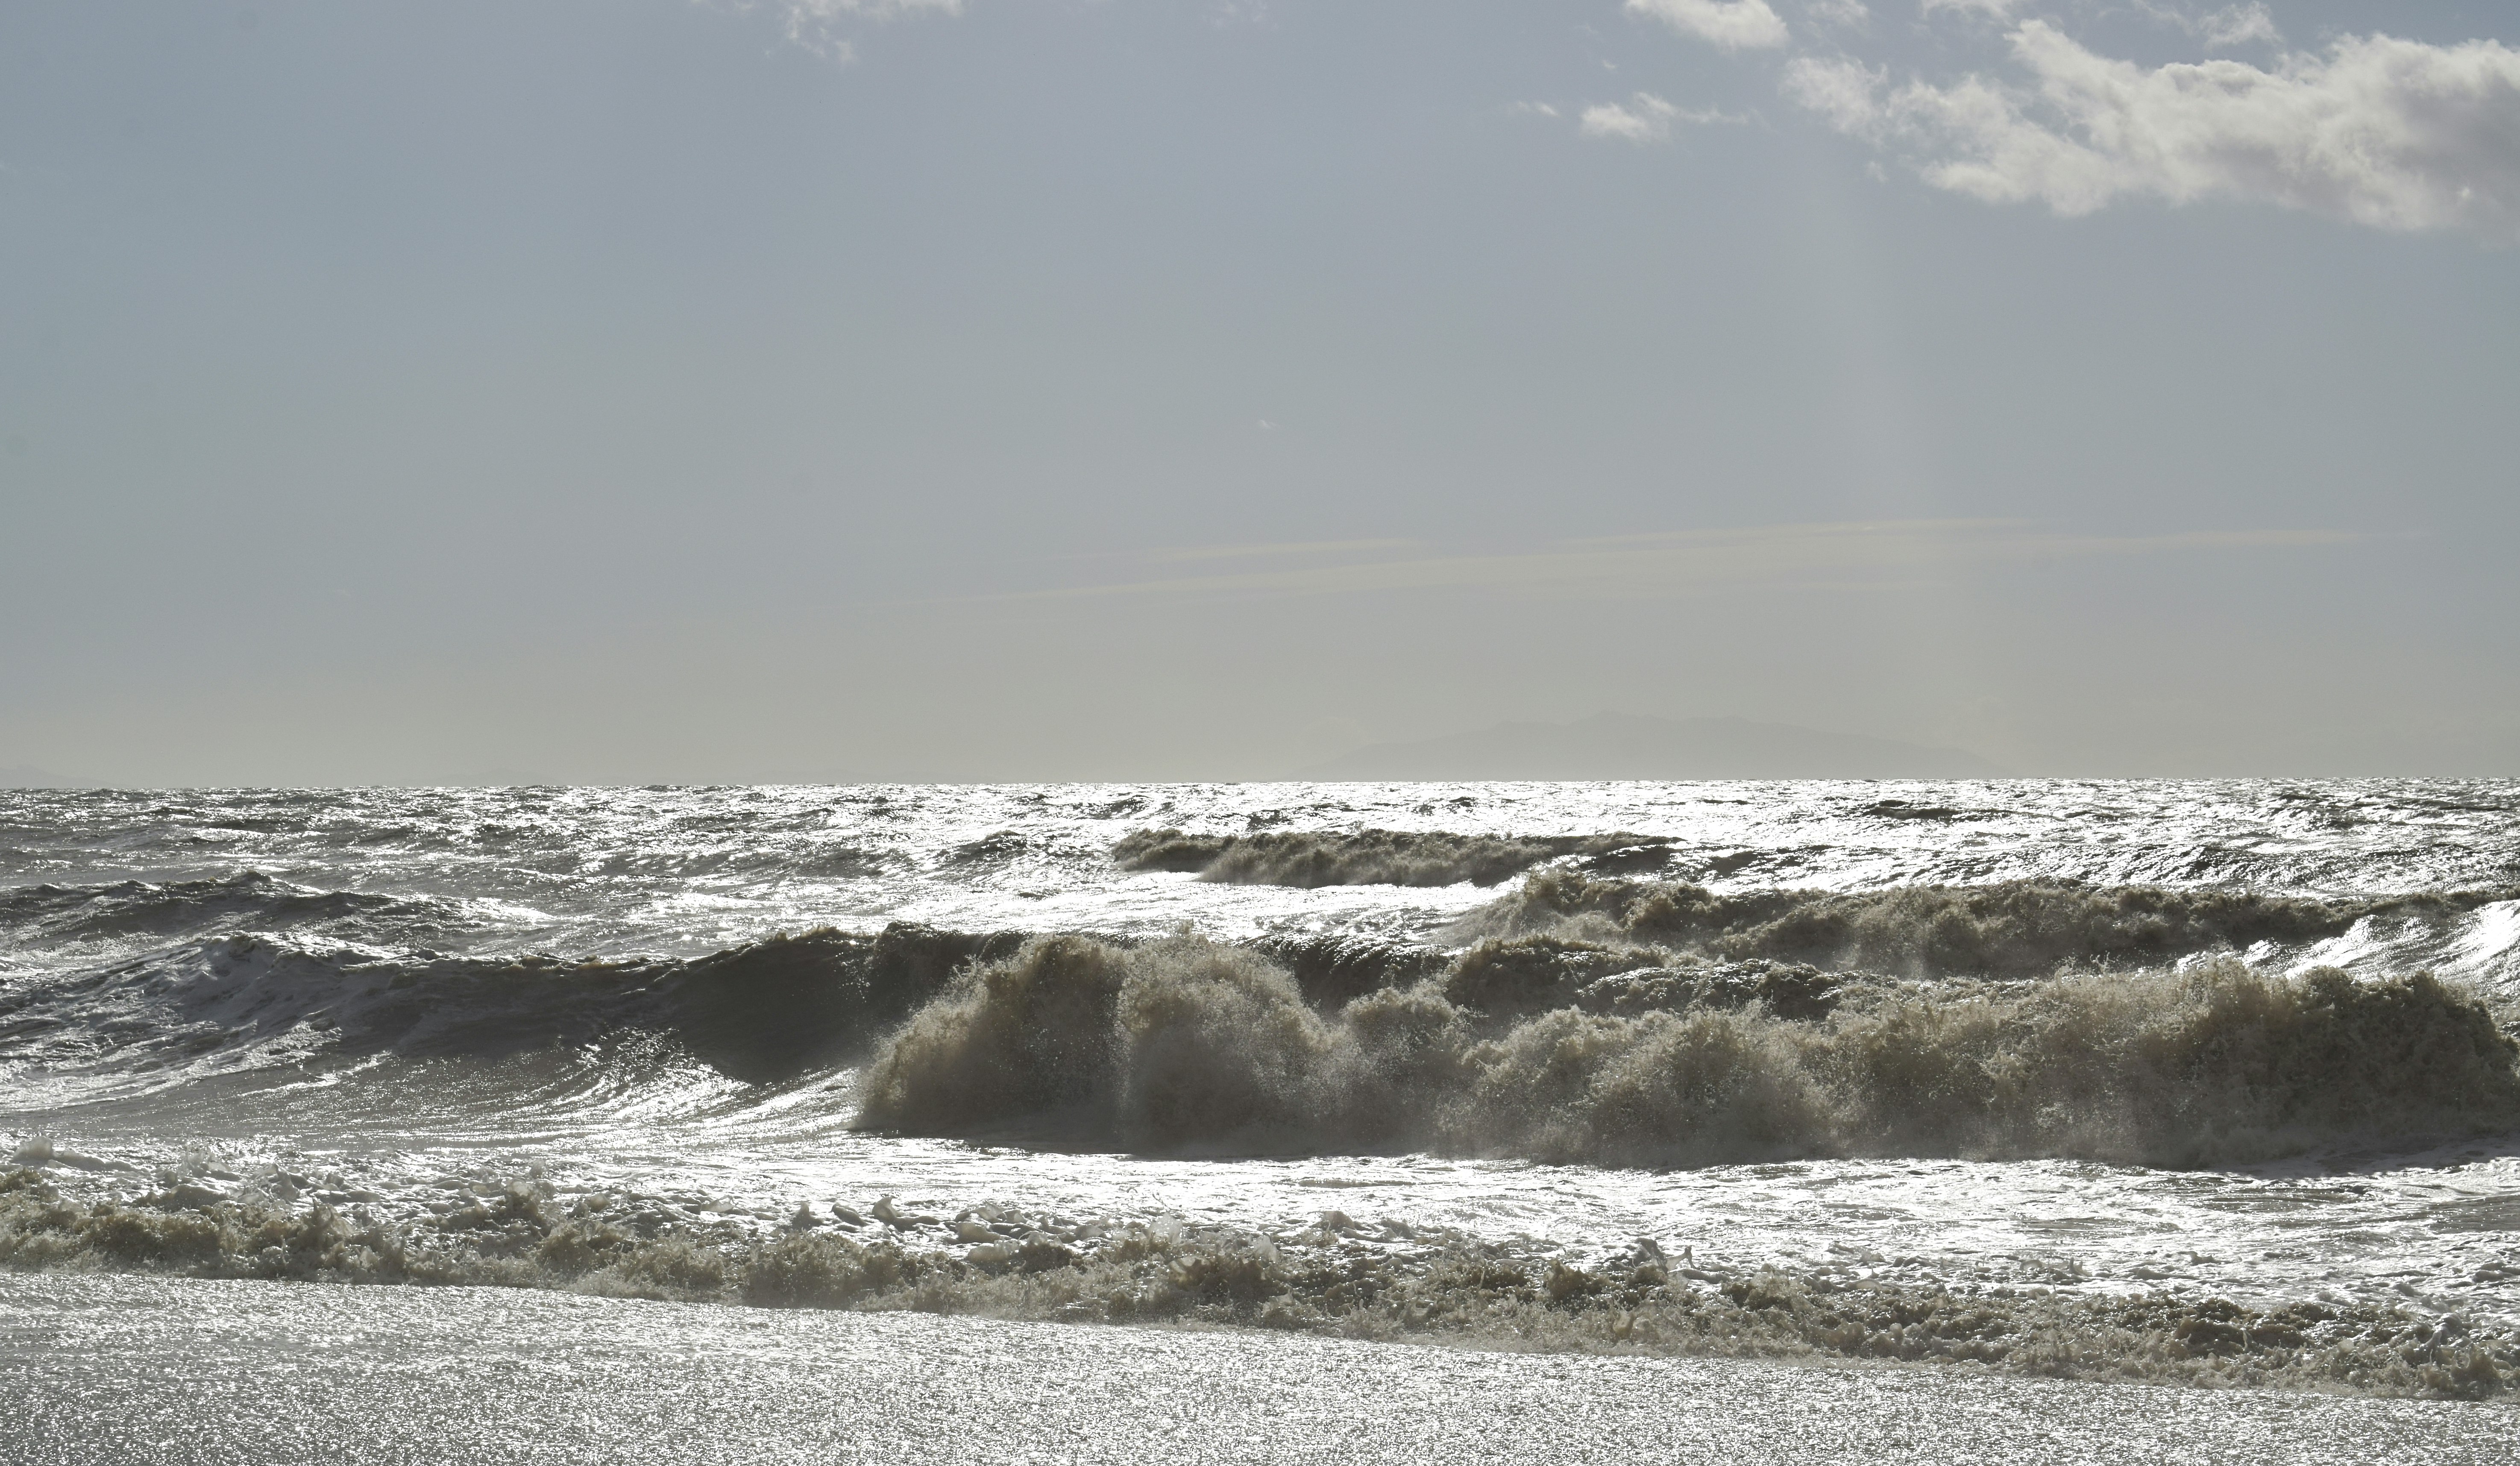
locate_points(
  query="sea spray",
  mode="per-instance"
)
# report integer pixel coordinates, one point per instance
(1187, 1041)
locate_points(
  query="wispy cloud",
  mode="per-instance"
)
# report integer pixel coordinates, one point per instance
(1643, 119)
(820, 26)
(1730, 24)
(871, 10)
(2394, 134)
(2231, 25)
(1997, 10)
(1838, 13)
(1661, 567)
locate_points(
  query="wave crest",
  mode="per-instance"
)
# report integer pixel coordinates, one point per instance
(524, 1237)
(1309, 860)
(1186, 1043)
(2004, 929)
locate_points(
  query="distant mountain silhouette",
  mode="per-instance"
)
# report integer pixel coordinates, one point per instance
(27, 777)
(1622, 745)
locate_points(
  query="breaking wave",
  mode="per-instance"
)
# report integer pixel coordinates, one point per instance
(1183, 1043)
(2004, 929)
(1044, 1266)
(1375, 857)
(1600, 1020)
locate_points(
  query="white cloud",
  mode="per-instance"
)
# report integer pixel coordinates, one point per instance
(2238, 25)
(1643, 118)
(1848, 93)
(815, 24)
(2389, 133)
(1732, 24)
(1999, 10)
(1532, 109)
(2231, 25)
(872, 10)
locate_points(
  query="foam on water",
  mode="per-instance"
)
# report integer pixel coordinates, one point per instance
(2065, 1037)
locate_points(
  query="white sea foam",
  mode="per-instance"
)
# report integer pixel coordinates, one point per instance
(398, 995)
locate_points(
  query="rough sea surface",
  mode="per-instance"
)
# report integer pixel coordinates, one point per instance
(2200, 1082)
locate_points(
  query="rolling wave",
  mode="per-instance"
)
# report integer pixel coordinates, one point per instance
(39, 915)
(1587, 1019)
(757, 1011)
(2004, 929)
(1187, 1043)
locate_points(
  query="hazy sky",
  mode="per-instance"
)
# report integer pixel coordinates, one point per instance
(658, 391)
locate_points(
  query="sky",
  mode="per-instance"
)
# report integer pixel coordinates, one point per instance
(659, 391)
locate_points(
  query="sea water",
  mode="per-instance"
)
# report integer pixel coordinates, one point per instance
(2039, 1046)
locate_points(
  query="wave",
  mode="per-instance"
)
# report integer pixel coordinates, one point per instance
(1720, 1039)
(762, 1010)
(2004, 929)
(1183, 1043)
(1309, 860)
(1508, 977)
(1332, 969)
(525, 1237)
(1034, 1267)
(58, 914)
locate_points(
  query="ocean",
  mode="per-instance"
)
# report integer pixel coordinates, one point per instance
(2205, 1084)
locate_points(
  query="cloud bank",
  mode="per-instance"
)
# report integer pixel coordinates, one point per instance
(2394, 134)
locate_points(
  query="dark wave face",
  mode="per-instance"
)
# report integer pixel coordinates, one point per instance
(1308, 861)
(759, 1011)
(43, 916)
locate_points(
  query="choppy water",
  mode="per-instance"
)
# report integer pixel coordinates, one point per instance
(395, 1000)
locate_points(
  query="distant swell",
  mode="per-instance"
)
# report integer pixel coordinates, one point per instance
(45, 915)
(1375, 856)
(2006, 929)
(1185, 1042)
